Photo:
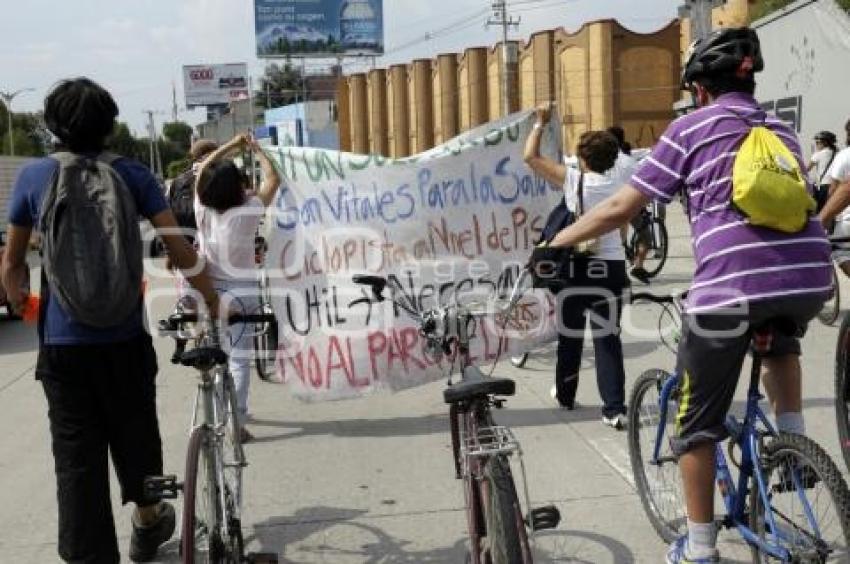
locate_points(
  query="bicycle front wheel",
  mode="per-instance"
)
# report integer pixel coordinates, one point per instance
(842, 388)
(832, 307)
(265, 351)
(657, 481)
(502, 514)
(807, 510)
(200, 541)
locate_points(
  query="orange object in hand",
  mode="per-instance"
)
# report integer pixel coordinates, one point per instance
(30, 309)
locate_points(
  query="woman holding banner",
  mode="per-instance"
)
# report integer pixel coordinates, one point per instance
(228, 217)
(598, 276)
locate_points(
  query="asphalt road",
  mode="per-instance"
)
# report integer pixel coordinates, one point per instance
(371, 480)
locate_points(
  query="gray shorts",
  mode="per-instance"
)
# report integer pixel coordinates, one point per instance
(711, 354)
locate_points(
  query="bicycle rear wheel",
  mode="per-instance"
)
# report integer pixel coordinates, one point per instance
(658, 249)
(807, 499)
(658, 483)
(832, 307)
(502, 514)
(200, 541)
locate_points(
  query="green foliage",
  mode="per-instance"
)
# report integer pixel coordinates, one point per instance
(29, 133)
(123, 143)
(179, 133)
(280, 85)
(176, 168)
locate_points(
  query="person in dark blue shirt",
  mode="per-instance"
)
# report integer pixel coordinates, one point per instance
(99, 382)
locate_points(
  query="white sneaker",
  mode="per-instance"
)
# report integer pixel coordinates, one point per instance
(617, 422)
(553, 391)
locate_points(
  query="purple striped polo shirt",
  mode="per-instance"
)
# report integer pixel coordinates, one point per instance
(735, 262)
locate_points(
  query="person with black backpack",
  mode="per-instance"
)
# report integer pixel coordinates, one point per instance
(96, 361)
(181, 195)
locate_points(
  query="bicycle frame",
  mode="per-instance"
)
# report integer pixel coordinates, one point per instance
(748, 437)
(469, 420)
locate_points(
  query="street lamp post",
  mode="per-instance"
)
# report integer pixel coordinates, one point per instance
(7, 98)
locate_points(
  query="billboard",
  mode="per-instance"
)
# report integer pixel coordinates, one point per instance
(319, 28)
(208, 85)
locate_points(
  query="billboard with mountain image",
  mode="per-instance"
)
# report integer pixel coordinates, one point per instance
(318, 28)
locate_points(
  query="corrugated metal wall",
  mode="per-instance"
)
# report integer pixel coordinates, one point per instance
(8, 171)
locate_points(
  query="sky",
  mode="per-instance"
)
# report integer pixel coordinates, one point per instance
(136, 49)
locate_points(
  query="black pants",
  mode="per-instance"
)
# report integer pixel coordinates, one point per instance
(592, 282)
(101, 400)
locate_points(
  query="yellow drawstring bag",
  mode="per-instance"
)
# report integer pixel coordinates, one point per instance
(768, 186)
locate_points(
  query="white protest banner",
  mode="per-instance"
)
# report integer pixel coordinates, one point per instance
(454, 224)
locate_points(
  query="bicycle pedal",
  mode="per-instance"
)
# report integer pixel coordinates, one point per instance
(162, 487)
(261, 558)
(546, 517)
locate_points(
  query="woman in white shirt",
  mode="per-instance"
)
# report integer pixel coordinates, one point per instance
(597, 281)
(228, 216)
(821, 160)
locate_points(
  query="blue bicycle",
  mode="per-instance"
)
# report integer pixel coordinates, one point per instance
(789, 501)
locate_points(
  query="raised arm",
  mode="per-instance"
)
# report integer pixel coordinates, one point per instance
(271, 178)
(554, 172)
(232, 146)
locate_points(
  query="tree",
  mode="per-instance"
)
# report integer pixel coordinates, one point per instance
(179, 133)
(280, 85)
(122, 142)
(29, 132)
(176, 168)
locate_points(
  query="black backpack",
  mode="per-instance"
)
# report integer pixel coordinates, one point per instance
(181, 198)
(91, 246)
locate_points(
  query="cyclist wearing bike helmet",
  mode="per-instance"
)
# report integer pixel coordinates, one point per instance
(820, 162)
(744, 274)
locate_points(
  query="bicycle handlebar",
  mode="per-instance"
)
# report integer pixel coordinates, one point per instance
(837, 242)
(175, 320)
(644, 297)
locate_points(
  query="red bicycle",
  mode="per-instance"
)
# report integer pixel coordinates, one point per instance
(498, 531)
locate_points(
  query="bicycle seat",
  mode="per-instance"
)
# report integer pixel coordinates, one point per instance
(203, 358)
(476, 385)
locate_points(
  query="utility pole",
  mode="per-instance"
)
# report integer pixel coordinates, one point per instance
(699, 12)
(7, 98)
(173, 102)
(155, 158)
(509, 56)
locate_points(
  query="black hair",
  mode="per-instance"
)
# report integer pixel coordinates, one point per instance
(599, 150)
(725, 83)
(81, 114)
(618, 134)
(222, 186)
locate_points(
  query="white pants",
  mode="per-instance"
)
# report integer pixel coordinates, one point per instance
(239, 297)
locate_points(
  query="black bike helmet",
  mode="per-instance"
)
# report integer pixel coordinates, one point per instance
(826, 137)
(725, 51)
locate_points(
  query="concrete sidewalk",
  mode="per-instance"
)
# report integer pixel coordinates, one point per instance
(371, 480)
